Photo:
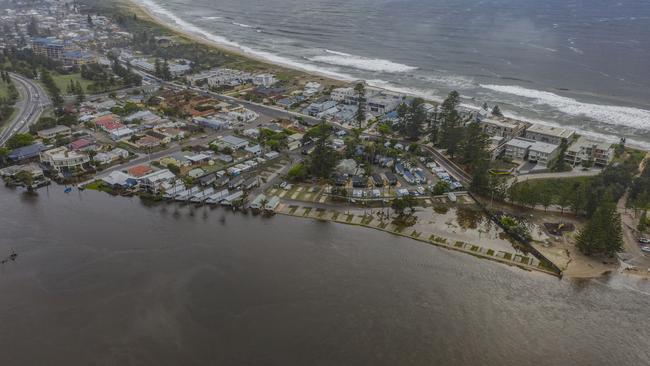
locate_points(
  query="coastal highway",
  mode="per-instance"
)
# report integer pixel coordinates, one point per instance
(33, 101)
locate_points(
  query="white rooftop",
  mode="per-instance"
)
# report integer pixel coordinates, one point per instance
(560, 132)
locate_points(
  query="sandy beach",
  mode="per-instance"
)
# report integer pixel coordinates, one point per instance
(142, 12)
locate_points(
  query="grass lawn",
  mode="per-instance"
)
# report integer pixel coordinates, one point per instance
(554, 186)
(62, 81)
(4, 90)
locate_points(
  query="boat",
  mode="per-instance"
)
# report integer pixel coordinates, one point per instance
(67, 190)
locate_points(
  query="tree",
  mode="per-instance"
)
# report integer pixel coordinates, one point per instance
(298, 172)
(411, 118)
(89, 20)
(441, 187)
(173, 168)
(79, 91)
(384, 129)
(603, 232)
(164, 70)
(25, 178)
(473, 147)
(451, 132)
(496, 111)
(323, 159)
(360, 116)
(643, 222)
(559, 164)
(32, 27)
(20, 140)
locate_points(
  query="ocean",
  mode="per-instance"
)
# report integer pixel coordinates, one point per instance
(581, 64)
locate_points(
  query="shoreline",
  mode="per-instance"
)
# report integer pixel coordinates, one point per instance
(139, 9)
(135, 6)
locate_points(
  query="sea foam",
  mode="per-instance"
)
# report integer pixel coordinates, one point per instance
(273, 58)
(361, 63)
(609, 114)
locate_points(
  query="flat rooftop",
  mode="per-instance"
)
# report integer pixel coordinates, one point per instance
(560, 132)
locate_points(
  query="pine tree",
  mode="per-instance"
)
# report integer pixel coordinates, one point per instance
(323, 159)
(497, 111)
(360, 116)
(603, 233)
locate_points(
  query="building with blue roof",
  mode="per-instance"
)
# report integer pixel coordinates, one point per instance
(25, 152)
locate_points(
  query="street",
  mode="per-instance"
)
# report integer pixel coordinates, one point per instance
(33, 101)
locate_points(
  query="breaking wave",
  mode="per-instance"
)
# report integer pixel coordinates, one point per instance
(361, 63)
(273, 58)
(609, 114)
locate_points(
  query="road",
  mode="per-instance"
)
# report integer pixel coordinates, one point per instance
(33, 101)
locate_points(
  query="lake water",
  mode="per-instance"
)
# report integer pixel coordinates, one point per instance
(103, 280)
(584, 64)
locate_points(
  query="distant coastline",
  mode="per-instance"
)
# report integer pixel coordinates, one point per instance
(195, 33)
(135, 6)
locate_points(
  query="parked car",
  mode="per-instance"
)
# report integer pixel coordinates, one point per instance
(645, 248)
(644, 240)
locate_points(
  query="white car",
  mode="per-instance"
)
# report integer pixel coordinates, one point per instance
(645, 248)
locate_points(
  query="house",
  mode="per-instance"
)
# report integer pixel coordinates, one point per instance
(225, 158)
(111, 156)
(108, 122)
(207, 179)
(233, 142)
(377, 180)
(317, 108)
(242, 114)
(251, 183)
(272, 204)
(62, 159)
(25, 152)
(255, 150)
(550, 134)
(146, 117)
(120, 133)
(344, 95)
(312, 88)
(542, 153)
(258, 202)
(153, 181)
(390, 178)
(271, 155)
(139, 171)
(517, 149)
(530, 150)
(502, 127)
(120, 179)
(196, 173)
(252, 133)
(586, 149)
(216, 123)
(54, 132)
(383, 103)
(359, 181)
(82, 144)
(236, 182)
(340, 179)
(265, 80)
(170, 133)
